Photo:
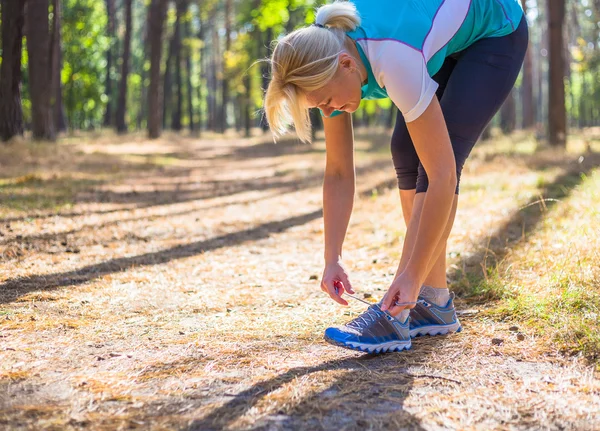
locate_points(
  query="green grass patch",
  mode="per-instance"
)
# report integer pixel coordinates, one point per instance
(33, 192)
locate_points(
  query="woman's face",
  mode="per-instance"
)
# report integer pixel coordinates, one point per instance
(342, 93)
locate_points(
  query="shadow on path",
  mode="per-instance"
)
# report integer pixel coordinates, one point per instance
(359, 406)
(524, 221)
(12, 289)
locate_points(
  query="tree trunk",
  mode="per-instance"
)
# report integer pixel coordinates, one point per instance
(37, 29)
(557, 117)
(11, 111)
(58, 108)
(122, 102)
(508, 115)
(176, 117)
(110, 12)
(214, 111)
(201, 73)
(527, 85)
(225, 82)
(265, 75)
(168, 100)
(247, 103)
(156, 18)
(188, 75)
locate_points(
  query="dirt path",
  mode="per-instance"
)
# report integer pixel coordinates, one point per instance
(184, 296)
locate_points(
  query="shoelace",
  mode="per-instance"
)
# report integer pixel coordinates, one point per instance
(399, 304)
(364, 319)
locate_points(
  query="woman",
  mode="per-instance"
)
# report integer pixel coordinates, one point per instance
(468, 54)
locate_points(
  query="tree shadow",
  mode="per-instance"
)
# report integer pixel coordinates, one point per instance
(12, 289)
(360, 386)
(352, 391)
(523, 222)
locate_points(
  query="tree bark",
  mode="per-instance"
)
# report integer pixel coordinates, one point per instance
(58, 107)
(40, 81)
(156, 18)
(168, 98)
(557, 118)
(214, 110)
(202, 73)
(11, 111)
(176, 117)
(122, 102)
(265, 74)
(225, 82)
(189, 72)
(247, 103)
(527, 85)
(508, 115)
(110, 12)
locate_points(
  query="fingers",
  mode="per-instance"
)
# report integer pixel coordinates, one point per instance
(397, 309)
(388, 300)
(346, 284)
(335, 290)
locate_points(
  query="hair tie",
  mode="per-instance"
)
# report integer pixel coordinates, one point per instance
(318, 25)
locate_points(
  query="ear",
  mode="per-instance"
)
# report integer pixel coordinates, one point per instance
(346, 61)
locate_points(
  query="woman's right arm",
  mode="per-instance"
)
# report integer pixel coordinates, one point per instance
(338, 199)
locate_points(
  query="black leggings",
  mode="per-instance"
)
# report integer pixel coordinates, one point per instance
(473, 84)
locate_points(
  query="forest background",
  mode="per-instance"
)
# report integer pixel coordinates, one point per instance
(134, 65)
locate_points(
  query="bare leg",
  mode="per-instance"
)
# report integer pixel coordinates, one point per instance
(412, 206)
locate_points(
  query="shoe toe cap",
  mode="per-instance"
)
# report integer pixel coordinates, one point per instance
(337, 334)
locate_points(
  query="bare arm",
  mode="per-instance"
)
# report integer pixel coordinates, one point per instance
(432, 143)
(338, 199)
(339, 182)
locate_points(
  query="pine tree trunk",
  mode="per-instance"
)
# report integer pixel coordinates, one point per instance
(202, 74)
(188, 75)
(527, 84)
(508, 115)
(265, 74)
(225, 83)
(110, 12)
(214, 84)
(247, 104)
(11, 111)
(57, 100)
(168, 104)
(122, 102)
(156, 18)
(176, 117)
(557, 117)
(37, 28)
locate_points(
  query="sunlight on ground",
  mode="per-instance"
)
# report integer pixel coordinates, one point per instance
(174, 285)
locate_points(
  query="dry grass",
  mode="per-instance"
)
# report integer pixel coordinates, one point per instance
(172, 284)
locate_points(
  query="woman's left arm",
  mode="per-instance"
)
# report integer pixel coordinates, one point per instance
(432, 144)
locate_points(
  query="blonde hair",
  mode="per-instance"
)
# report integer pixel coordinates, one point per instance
(303, 61)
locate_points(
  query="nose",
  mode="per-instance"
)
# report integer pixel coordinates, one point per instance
(328, 111)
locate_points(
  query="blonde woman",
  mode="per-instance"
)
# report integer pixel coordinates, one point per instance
(447, 65)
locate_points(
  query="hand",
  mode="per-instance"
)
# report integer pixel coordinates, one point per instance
(403, 290)
(335, 282)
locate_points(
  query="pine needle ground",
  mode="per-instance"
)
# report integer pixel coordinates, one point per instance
(173, 284)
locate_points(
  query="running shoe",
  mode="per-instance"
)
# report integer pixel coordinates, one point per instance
(431, 319)
(374, 331)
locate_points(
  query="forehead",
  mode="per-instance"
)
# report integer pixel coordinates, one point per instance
(320, 95)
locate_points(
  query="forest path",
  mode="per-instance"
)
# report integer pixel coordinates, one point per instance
(179, 290)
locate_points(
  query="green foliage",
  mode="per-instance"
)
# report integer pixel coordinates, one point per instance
(84, 61)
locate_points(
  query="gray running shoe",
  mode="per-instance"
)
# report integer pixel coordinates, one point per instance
(374, 331)
(430, 319)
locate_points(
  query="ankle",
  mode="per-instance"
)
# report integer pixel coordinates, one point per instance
(436, 295)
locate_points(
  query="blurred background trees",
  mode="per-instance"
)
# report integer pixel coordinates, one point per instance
(190, 66)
